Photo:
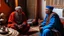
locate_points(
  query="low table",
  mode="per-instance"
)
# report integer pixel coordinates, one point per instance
(12, 32)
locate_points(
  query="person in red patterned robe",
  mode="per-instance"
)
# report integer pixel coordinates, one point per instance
(17, 20)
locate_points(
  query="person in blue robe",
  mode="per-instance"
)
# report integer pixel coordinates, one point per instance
(51, 21)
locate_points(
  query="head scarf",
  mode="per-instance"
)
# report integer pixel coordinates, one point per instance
(49, 7)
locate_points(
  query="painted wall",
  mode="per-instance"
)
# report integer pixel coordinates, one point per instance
(4, 8)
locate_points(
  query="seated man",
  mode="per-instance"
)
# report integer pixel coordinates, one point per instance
(51, 21)
(17, 20)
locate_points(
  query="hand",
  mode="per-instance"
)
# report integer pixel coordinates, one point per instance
(19, 26)
(40, 28)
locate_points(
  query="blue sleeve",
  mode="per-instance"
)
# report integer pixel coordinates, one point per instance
(43, 23)
(51, 23)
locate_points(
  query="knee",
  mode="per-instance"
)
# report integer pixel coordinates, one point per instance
(46, 31)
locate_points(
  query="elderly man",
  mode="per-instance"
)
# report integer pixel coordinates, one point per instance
(51, 21)
(17, 20)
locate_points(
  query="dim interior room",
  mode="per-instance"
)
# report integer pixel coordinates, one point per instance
(34, 10)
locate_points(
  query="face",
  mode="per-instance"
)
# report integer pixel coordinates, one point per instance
(47, 11)
(19, 10)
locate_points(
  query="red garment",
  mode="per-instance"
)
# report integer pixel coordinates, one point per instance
(12, 22)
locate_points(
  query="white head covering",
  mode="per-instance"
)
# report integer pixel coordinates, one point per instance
(18, 7)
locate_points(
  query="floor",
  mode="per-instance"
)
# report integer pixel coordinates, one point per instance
(34, 31)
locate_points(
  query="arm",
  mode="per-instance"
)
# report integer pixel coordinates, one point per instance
(43, 23)
(51, 23)
(11, 20)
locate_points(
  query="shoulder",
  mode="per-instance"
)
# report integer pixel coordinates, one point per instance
(54, 14)
(12, 13)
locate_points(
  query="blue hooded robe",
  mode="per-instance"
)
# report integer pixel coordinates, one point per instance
(54, 22)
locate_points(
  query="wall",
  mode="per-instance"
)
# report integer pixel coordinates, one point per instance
(4, 8)
(32, 8)
(55, 3)
(43, 9)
